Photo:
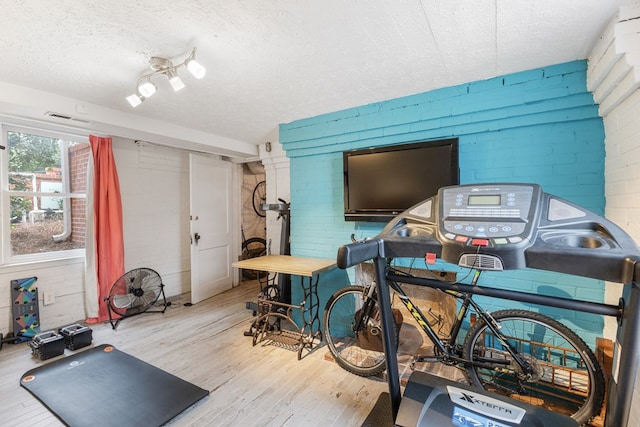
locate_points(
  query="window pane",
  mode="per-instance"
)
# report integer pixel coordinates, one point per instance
(46, 175)
(46, 224)
(46, 164)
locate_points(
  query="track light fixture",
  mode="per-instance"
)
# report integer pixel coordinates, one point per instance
(146, 88)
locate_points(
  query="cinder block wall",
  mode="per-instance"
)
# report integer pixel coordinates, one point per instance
(538, 126)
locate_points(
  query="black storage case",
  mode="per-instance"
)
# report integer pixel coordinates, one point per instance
(76, 336)
(47, 344)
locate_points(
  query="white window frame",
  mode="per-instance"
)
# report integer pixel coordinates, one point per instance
(6, 257)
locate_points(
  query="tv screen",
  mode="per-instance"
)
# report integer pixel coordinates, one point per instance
(380, 183)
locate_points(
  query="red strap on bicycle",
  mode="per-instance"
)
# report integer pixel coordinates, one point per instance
(430, 258)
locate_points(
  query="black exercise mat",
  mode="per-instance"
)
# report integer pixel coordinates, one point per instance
(106, 387)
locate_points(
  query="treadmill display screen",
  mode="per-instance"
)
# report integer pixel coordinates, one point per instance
(484, 200)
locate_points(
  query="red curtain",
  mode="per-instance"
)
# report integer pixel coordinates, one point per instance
(107, 217)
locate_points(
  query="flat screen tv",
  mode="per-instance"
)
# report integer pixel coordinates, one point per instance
(381, 182)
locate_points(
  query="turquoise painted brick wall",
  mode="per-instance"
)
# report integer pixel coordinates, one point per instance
(538, 126)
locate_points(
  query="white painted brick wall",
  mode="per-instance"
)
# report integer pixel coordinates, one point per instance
(277, 171)
(154, 185)
(614, 78)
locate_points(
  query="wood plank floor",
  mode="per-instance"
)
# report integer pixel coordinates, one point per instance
(204, 344)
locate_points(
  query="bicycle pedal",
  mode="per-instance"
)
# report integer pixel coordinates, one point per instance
(414, 360)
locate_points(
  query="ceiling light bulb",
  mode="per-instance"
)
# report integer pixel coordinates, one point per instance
(176, 83)
(196, 68)
(134, 100)
(175, 80)
(147, 89)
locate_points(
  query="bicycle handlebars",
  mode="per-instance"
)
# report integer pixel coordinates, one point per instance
(356, 253)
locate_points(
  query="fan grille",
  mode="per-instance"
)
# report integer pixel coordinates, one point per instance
(135, 291)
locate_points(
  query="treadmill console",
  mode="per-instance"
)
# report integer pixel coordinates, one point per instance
(488, 215)
(484, 226)
(504, 226)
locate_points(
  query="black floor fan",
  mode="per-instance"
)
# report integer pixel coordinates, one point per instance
(133, 293)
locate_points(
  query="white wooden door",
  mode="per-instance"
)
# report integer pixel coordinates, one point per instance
(211, 184)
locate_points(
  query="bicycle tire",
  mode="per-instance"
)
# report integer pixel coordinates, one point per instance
(567, 376)
(259, 197)
(357, 352)
(252, 248)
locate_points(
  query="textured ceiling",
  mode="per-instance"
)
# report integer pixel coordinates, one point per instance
(271, 62)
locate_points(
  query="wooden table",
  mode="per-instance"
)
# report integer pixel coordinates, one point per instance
(287, 264)
(270, 309)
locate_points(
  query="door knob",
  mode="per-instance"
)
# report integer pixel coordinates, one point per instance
(196, 237)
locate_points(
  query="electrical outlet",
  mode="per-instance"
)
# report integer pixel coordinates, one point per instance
(49, 298)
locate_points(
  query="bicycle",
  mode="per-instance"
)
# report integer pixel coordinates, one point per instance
(517, 353)
(251, 248)
(259, 197)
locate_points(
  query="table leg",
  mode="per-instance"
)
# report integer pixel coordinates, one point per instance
(310, 313)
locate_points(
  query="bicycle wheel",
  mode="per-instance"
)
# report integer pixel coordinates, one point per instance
(358, 351)
(566, 376)
(259, 198)
(252, 248)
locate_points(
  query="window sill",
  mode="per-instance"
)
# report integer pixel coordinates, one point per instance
(74, 258)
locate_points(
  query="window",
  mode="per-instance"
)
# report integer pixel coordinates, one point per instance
(43, 194)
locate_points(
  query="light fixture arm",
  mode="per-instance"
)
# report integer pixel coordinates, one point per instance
(192, 56)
